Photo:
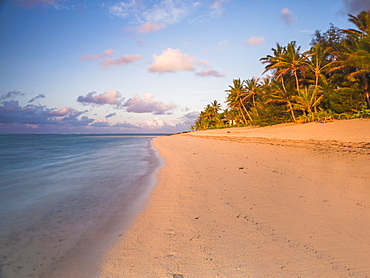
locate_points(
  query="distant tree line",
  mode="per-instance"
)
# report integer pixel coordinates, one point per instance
(329, 81)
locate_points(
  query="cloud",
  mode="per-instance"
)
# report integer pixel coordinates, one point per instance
(112, 97)
(108, 52)
(36, 97)
(156, 124)
(208, 72)
(108, 61)
(147, 104)
(101, 123)
(286, 16)
(355, 6)
(189, 118)
(148, 27)
(64, 112)
(56, 4)
(172, 60)
(125, 125)
(217, 4)
(221, 45)
(110, 115)
(128, 59)
(11, 112)
(255, 41)
(124, 8)
(12, 94)
(163, 11)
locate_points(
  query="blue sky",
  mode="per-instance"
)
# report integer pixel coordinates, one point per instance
(136, 66)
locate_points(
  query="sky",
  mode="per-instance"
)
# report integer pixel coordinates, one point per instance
(140, 66)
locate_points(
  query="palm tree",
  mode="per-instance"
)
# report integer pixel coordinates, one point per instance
(362, 22)
(279, 95)
(215, 106)
(235, 99)
(288, 61)
(308, 99)
(318, 62)
(252, 89)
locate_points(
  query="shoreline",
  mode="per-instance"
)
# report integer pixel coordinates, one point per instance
(247, 207)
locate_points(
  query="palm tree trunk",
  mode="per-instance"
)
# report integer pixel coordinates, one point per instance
(246, 111)
(241, 112)
(296, 80)
(291, 110)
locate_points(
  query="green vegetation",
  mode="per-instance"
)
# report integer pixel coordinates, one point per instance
(329, 81)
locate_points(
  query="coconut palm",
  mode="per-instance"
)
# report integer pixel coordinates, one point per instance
(280, 96)
(362, 22)
(308, 99)
(235, 99)
(252, 89)
(288, 61)
(318, 62)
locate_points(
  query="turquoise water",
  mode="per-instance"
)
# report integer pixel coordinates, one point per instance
(61, 193)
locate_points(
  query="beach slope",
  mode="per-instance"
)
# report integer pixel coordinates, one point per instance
(281, 201)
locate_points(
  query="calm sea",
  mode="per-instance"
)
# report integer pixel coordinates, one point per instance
(65, 198)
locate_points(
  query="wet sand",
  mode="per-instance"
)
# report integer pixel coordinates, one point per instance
(281, 201)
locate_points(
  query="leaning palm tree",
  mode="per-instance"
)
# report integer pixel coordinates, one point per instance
(278, 95)
(252, 89)
(235, 98)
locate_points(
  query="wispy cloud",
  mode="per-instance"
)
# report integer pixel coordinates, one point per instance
(110, 115)
(147, 104)
(106, 53)
(128, 59)
(162, 11)
(109, 61)
(36, 97)
(221, 45)
(56, 4)
(217, 4)
(255, 41)
(12, 94)
(112, 97)
(286, 16)
(147, 27)
(210, 72)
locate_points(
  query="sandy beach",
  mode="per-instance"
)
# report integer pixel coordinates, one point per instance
(281, 201)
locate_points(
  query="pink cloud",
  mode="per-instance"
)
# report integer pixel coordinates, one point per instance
(148, 27)
(210, 72)
(172, 60)
(147, 104)
(255, 41)
(286, 15)
(112, 97)
(108, 52)
(63, 112)
(217, 4)
(128, 59)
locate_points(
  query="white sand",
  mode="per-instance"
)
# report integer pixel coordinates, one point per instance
(247, 207)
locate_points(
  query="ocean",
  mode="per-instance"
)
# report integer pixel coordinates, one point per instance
(65, 199)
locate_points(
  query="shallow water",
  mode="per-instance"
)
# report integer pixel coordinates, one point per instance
(61, 193)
